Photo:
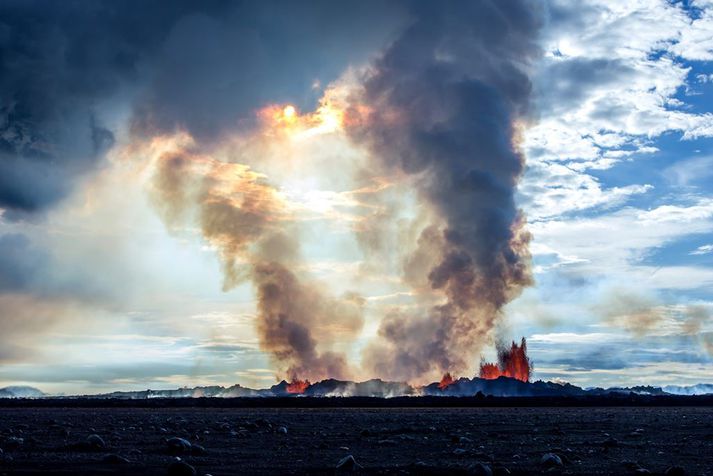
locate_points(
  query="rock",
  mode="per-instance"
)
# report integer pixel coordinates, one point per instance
(177, 445)
(500, 470)
(14, 442)
(198, 450)
(180, 468)
(96, 442)
(672, 471)
(348, 463)
(387, 442)
(551, 460)
(642, 471)
(282, 430)
(114, 459)
(610, 443)
(459, 452)
(481, 469)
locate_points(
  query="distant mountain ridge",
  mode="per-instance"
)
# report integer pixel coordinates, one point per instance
(21, 391)
(463, 387)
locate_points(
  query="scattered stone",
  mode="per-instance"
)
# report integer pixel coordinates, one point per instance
(459, 452)
(348, 463)
(282, 430)
(500, 470)
(177, 445)
(481, 469)
(387, 442)
(198, 450)
(180, 468)
(675, 471)
(551, 460)
(14, 442)
(95, 442)
(610, 443)
(114, 459)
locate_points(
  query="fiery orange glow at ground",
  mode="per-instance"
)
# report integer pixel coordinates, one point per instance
(446, 381)
(513, 362)
(297, 386)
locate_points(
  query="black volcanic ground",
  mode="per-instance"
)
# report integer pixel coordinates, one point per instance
(592, 440)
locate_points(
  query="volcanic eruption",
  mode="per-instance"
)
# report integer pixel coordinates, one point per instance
(436, 117)
(513, 362)
(445, 381)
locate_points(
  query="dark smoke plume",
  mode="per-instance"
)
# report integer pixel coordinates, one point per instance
(442, 106)
(242, 216)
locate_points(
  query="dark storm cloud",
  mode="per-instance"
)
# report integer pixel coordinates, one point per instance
(60, 62)
(67, 67)
(441, 105)
(214, 71)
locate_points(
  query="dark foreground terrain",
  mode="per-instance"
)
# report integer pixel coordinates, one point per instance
(232, 441)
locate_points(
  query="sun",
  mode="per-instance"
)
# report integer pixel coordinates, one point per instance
(289, 111)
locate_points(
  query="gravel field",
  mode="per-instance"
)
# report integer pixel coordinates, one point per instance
(225, 441)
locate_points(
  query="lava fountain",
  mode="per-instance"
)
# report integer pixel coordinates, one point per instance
(513, 362)
(445, 381)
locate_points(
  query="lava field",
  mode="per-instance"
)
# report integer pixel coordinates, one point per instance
(232, 441)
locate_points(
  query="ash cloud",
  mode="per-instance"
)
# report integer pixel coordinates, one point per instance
(441, 105)
(243, 217)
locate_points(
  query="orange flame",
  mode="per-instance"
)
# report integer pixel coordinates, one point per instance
(446, 381)
(489, 371)
(297, 386)
(512, 362)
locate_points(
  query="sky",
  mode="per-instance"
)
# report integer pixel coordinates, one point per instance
(240, 192)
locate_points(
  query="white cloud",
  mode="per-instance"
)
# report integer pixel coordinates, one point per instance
(702, 250)
(552, 189)
(571, 338)
(696, 41)
(613, 245)
(605, 91)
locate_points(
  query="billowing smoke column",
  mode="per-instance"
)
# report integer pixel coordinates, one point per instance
(441, 106)
(513, 362)
(439, 109)
(244, 218)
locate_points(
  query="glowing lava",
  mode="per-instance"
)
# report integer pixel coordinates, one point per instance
(513, 362)
(297, 386)
(446, 381)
